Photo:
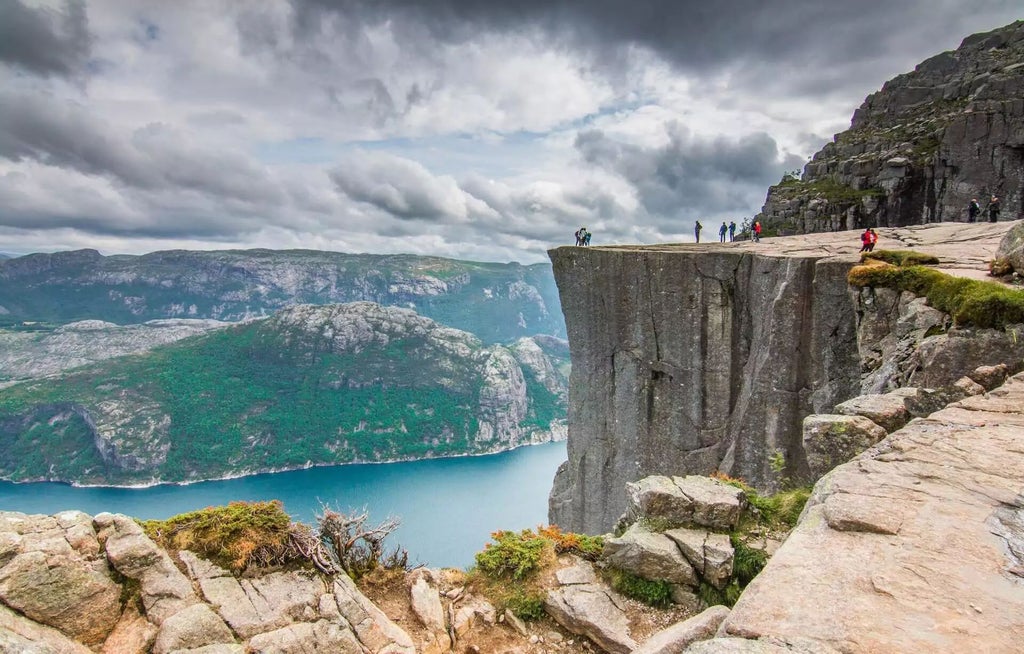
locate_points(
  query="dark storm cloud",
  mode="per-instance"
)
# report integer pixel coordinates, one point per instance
(691, 34)
(44, 41)
(691, 173)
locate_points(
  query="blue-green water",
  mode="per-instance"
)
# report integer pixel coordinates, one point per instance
(448, 507)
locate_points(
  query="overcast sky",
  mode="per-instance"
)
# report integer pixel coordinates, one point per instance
(464, 128)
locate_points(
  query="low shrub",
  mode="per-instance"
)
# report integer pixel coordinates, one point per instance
(514, 555)
(233, 536)
(782, 508)
(582, 545)
(747, 562)
(653, 593)
(525, 603)
(712, 596)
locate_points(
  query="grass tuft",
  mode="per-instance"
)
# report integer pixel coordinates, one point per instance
(657, 593)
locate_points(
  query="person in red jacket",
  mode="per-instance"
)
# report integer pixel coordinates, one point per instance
(865, 241)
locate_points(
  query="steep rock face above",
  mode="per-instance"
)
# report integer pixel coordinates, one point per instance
(921, 148)
(686, 361)
(497, 302)
(916, 545)
(311, 385)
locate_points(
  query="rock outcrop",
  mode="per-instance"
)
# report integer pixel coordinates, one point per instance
(921, 148)
(915, 545)
(72, 584)
(693, 358)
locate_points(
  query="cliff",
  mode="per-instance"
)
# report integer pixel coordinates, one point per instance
(921, 148)
(689, 359)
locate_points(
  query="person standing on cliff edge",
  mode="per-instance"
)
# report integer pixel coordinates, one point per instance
(993, 210)
(973, 209)
(732, 230)
(696, 231)
(722, 232)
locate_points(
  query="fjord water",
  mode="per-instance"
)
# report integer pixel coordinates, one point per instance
(448, 507)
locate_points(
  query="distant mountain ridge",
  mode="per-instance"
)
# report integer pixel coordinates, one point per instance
(312, 385)
(497, 302)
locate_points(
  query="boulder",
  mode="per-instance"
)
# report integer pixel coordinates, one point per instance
(927, 401)
(649, 555)
(888, 410)
(374, 630)
(134, 634)
(943, 359)
(580, 572)
(426, 604)
(192, 627)
(679, 636)
(304, 637)
(968, 386)
(470, 612)
(163, 588)
(254, 606)
(711, 554)
(60, 589)
(21, 635)
(686, 500)
(990, 377)
(830, 440)
(1012, 247)
(590, 610)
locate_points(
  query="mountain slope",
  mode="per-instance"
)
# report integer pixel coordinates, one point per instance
(497, 302)
(921, 148)
(310, 385)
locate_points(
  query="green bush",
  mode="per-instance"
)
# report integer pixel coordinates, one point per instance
(783, 508)
(233, 536)
(712, 596)
(513, 555)
(526, 604)
(654, 593)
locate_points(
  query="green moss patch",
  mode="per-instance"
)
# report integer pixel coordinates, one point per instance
(653, 593)
(968, 301)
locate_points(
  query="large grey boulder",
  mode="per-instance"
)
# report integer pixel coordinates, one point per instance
(831, 439)
(888, 410)
(990, 377)
(593, 611)
(306, 638)
(426, 604)
(943, 493)
(48, 580)
(679, 636)
(690, 500)
(649, 555)
(374, 630)
(1012, 247)
(23, 636)
(164, 589)
(258, 605)
(192, 627)
(711, 554)
(943, 359)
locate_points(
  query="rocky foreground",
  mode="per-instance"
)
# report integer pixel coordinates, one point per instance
(915, 545)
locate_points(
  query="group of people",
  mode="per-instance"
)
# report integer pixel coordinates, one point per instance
(727, 229)
(974, 210)
(582, 236)
(868, 239)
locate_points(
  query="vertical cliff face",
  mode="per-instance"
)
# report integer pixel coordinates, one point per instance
(921, 148)
(690, 360)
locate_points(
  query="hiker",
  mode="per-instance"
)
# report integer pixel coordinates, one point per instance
(993, 210)
(722, 232)
(579, 235)
(865, 241)
(586, 237)
(732, 230)
(973, 209)
(874, 239)
(757, 231)
(696, 231)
